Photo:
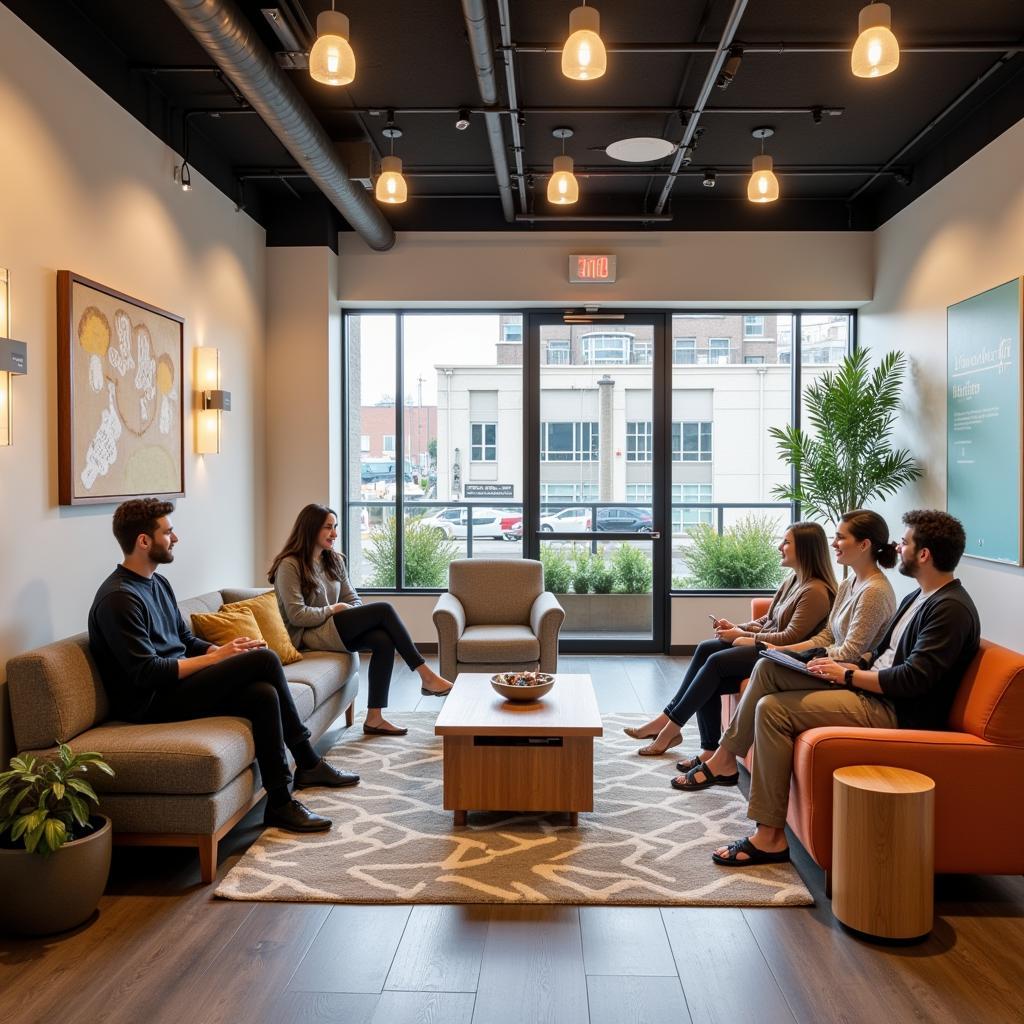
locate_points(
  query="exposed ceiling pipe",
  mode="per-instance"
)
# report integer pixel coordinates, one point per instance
(505, 27)
(225, 33)
(720, 57)
(479, 36)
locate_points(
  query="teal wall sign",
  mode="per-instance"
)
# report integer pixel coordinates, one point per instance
(984, 383)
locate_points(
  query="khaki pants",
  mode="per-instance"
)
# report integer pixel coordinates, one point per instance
(776, 706)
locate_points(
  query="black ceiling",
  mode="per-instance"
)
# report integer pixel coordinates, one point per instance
(914, 126)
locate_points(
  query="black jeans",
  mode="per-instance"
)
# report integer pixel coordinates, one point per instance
(253, 686)
(377, 628)
(715, 669)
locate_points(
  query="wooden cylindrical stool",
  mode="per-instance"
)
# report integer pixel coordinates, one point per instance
(883, 851)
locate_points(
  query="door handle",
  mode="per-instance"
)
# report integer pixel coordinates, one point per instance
(655, 535)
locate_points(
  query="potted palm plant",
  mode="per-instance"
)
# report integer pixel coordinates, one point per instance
(54, 856)
(848, 459)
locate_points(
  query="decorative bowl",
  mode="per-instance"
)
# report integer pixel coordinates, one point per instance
(522, 686)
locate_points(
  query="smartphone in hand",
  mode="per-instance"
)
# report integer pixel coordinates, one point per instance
(714, 620)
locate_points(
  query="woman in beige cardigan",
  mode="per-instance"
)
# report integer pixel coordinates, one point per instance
(799, 609)
(323, 612)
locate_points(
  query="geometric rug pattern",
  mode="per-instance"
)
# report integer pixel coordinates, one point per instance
(392, 842)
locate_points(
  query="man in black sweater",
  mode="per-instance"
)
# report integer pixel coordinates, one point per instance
(155, 670)
(909, 682)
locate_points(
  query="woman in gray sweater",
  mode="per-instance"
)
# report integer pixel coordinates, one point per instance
(323, 612)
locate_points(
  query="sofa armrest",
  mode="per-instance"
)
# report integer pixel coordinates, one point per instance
(450, 623)
(968, 799)
(546, 618)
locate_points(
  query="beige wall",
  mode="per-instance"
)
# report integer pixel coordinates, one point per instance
(85, 187)
(961, 237)
(654, 268)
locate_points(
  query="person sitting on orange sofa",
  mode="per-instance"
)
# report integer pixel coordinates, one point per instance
(909, 681)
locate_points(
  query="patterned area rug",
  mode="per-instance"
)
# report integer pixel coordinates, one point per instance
(644, 844)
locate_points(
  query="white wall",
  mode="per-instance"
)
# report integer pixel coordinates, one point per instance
(961, 237)
(85, 187)
(776, 268)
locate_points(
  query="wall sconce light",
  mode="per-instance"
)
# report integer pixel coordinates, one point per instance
(13, 360)
(210, 400)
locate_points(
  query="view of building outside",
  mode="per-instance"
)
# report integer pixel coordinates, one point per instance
(462, 426)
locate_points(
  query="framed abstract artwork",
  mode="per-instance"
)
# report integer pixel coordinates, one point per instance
(984, 402)
(120, 422)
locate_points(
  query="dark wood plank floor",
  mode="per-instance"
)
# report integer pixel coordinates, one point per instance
(162, 950)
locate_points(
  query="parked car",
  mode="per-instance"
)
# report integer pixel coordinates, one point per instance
(568, 520)
(624, 520)
(509, 522)
(454, 523)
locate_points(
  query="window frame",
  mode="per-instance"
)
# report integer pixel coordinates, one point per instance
(483, 445)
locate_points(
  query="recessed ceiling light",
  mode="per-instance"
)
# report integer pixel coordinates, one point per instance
(640, 151)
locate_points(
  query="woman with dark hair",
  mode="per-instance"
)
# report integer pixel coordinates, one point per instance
(323, 612)
(800, 607)
(865, 604)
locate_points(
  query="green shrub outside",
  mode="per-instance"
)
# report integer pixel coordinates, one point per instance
(634, 572)
(557, 570)
(428, 553)
(602, 576)
(582, 570)
(744, 557)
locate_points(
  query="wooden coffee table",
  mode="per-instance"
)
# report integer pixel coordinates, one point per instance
(506, 756)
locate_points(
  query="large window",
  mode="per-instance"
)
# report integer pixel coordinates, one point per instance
(568, 442)
(607, 349)
(484, 444)
(638, 441)
(691, 442)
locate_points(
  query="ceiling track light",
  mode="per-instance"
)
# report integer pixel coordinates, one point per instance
(710, 178)
(462, 122)
(563, 188)
(584, 56)
(731, 68)
(876, 51)
(332, 60)
(763, 186)
(185, 178)
(391, 186)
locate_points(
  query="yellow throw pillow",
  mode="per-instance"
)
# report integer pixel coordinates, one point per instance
(268, 617)
(226, 625)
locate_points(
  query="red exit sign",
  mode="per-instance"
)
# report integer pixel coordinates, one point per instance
(592, 269)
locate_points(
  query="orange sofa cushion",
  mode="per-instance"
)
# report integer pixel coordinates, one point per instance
(990, 701)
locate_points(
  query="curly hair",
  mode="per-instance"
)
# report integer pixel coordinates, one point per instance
(138, 516)
(942, 534)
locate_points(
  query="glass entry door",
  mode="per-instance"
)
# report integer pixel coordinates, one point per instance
(597, 490)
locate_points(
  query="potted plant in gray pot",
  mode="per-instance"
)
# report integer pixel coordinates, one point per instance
(54, 856)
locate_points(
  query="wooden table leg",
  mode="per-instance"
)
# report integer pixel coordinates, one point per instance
(460, 818)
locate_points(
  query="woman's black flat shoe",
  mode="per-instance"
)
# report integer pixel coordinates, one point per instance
(433, 693)
(376, 730)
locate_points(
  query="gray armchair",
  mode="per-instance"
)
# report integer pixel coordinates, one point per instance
(497, 617)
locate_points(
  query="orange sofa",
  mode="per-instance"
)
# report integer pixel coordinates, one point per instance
(977, 765)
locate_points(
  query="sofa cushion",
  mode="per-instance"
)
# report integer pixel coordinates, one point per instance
(229, 624)
(321, 672)
(203, 603)
(56, 693)
(990, 700)
(267, 614)
(498, 644)
(198, 756)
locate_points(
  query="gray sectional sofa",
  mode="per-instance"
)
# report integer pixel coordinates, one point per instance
(179, 783)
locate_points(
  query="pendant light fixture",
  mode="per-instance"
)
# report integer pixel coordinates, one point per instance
(763, 186)
(584, 56)
(563, 188)
(391, 186)
(876, 51)
(332, 61)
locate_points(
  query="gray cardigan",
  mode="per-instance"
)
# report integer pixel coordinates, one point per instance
(310, 624)
(859, 618)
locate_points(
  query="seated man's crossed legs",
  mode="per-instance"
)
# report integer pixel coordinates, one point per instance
(777, 705)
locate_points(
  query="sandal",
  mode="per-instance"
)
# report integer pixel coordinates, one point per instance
(649, 752)
(688, 763)
(710, 779)
(754, 855)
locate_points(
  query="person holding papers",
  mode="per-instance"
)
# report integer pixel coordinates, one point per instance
(800, 608)
(907, 682)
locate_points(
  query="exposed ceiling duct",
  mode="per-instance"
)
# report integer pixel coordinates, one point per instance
(480, 44)
(226, 34)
